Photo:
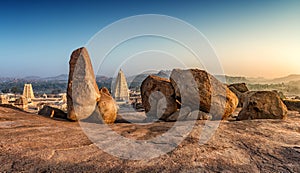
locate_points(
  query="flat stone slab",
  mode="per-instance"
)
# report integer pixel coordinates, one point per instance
(32, 143)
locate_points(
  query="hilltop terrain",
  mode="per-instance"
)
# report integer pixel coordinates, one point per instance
(32, 143)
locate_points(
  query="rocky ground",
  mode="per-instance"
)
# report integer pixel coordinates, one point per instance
(31, 143)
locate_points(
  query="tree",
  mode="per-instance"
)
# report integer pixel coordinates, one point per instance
(5, 90)
(16, 90)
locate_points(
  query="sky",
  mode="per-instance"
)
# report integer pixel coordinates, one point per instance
(259, 38)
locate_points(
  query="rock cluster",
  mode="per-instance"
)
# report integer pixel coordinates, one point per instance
(195, 90)
(82, 92)
(201, 96)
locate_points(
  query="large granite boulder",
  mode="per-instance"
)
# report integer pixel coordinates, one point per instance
(262, 105)
(199, 90)
(158, 97)
(82, 91)
(52, 112)
(238, 89)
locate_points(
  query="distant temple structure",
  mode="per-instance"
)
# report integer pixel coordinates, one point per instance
(3, 99)
(120, 90)
(22, 103)
(28, 92)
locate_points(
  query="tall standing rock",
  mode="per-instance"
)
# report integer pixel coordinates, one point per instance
(82, 91)
(199, 90)
(262, 105)
(158, 97)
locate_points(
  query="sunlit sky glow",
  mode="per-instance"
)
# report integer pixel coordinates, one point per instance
(251, 38)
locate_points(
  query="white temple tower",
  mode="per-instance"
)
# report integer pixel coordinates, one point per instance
(28, 92)
(120, 91)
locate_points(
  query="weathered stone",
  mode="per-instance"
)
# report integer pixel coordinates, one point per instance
(52, 112)
(280, 94)
(262, 105)
(241, 87)
(238, 89)
(199, 90)
(158, 97)
(82, 91)
(107, 106)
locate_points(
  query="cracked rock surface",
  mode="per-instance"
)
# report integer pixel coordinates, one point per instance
(32, 143)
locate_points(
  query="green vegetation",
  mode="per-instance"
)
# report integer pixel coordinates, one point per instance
(282, 87)
(50, 87)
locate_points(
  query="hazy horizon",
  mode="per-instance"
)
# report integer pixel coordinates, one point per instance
(129, 75)
(251, 39)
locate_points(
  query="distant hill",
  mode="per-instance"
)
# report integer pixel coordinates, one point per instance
(134, 81)
(62, 77)
(286, 79)
(295, 83)
(32, 78)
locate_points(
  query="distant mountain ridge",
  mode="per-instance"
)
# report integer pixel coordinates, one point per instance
(286, 79)
(137, 79)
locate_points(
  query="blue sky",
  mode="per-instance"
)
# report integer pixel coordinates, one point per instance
(251, 38)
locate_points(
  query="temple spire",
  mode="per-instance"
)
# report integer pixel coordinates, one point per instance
(121, 91)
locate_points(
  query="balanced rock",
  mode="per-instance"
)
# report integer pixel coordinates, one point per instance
(199, 90)
(158, 97)
(82, 91)
(52, 112)
(238, 89)
(262, 105)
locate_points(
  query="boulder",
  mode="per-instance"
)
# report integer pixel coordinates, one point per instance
(158, 97)
(241, 87)
(52, 112)
(201, 91)
(238, 89)
(262, 105)
(82, 91)
(107, 106)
